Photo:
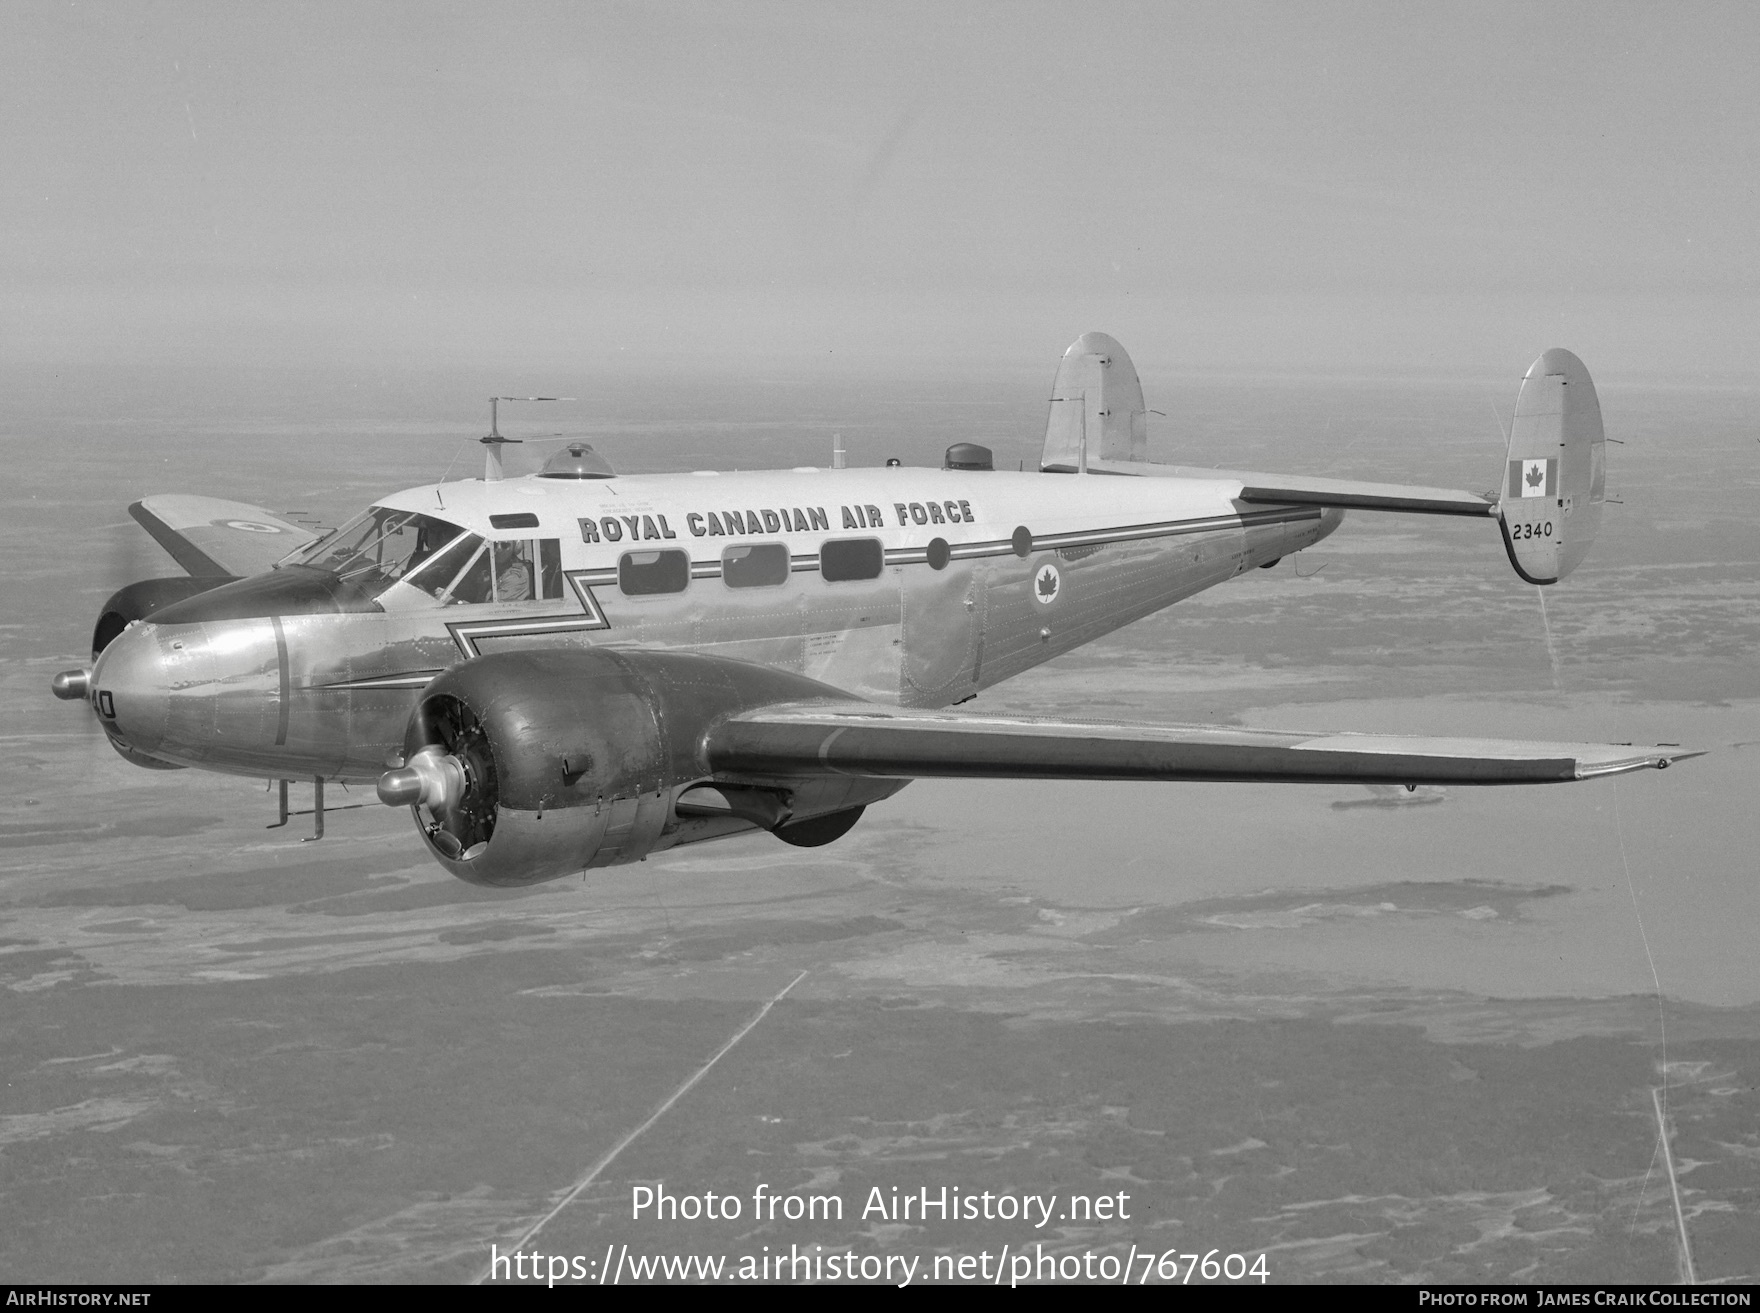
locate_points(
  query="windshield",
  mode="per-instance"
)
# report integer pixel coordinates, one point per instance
(379, 547)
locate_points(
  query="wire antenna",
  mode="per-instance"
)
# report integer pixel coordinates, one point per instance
(1501, 426)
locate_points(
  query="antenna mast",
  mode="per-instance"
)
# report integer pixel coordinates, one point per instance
(493, 442)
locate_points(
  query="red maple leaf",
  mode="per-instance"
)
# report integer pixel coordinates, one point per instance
(1048, 585)
(1536, 476)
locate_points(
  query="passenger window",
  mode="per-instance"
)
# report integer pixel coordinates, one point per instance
(851, 558)
(641, 574)
(550, 567)
(755, 565)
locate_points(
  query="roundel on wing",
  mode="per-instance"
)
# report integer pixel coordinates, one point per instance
(1045, 584)
(249, 526)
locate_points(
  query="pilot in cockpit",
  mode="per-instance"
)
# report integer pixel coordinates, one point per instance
(430, 537)
(513, 573)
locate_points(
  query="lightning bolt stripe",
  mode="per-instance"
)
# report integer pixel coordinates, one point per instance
(466, 634)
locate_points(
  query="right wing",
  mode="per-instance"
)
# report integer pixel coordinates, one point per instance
(865, 739)
(211, 537)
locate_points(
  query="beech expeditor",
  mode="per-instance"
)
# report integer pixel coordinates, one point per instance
(577, 668)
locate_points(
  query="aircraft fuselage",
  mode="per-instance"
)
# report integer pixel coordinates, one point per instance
(902, 585)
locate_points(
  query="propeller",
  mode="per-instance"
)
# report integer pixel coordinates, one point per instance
(125, 550)
(451, 779)
(130, 558)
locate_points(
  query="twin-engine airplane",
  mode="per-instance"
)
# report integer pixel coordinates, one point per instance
(577, 668)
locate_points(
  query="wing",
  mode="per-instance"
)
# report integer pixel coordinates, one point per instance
(858, 738)
(208, 536)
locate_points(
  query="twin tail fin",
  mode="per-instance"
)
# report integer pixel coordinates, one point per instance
(1547, 503)
(1554, 484)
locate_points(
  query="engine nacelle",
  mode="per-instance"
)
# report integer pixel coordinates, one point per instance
(139, 600)
(526, 766)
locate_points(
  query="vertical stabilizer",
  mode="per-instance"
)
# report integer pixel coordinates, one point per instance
(1097, 410)
(1554, 479)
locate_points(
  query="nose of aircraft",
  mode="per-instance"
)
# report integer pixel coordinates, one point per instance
(131, 688)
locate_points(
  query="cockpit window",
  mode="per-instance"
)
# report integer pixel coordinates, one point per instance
(474, 584)
(379, 547)
(435, 575)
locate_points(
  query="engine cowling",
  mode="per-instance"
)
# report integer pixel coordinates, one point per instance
(140, 600)
(526, 766)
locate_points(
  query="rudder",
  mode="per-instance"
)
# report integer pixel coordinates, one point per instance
(1097, 411)
(1555, 475)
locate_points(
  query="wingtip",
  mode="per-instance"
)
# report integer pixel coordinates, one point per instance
(1660, 757)
(1665, 760)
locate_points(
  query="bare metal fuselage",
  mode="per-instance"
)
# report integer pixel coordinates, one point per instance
(985, 574)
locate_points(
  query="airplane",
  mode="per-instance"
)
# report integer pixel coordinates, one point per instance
(576, 668)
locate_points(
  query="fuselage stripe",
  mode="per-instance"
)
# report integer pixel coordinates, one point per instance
(419, 679)
(808, 562)
(1172, 528)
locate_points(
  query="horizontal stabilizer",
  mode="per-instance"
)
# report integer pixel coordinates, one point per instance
(869, 740)
(1547, 502)
(1301, 490)
(208, 536)
(1352, 494)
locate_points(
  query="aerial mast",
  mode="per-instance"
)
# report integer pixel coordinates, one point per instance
(493, 441)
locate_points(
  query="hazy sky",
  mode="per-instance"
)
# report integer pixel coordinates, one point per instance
(1292, 185)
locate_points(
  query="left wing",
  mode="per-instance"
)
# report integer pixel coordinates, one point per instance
(211, 537)
(859, 738)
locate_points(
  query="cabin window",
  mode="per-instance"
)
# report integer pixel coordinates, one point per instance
(755, 565)
(642, 574)
(851, 558)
